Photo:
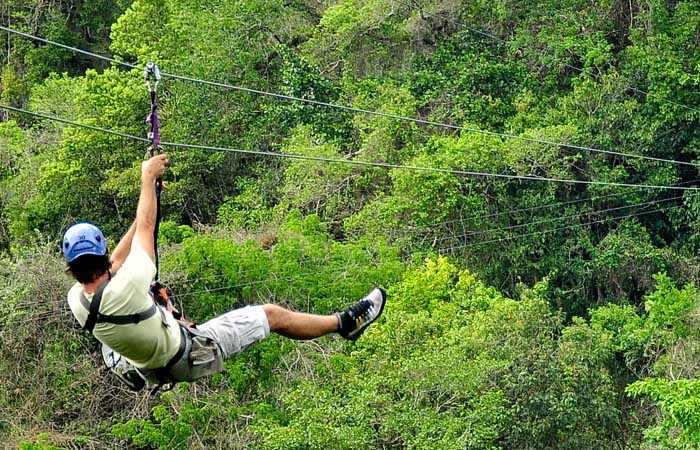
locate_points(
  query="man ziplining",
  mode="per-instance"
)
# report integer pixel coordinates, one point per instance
(143, 341)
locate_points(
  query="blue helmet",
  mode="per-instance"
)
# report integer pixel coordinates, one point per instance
(83, 239)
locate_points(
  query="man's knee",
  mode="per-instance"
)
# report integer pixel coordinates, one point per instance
(275, 315)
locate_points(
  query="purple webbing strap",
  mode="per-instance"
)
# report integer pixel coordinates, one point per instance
(153, 120)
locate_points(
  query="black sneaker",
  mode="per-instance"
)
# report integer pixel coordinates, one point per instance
(355, 320)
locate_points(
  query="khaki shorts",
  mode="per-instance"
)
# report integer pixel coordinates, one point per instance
(237, 330)
(205, 349)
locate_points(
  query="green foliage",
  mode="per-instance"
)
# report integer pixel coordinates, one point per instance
(424, 198)
(172, 233)
(12, 145)
(370, 36)
(249, 210)
(662, 342)
(678, 401)
(169, 429)
(646, 340)
(304, 269)
(74, 181)
(454, 363)
(625, 261)
(669, 306)
(333, 191)
(54, 384)
(14, 87)
(466, 79)
(302, 79)
(446, 368)
(41, 443)
(80, 23)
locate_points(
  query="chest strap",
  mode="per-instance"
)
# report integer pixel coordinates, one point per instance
(95, 317)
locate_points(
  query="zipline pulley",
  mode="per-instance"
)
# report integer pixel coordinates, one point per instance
(152, 77)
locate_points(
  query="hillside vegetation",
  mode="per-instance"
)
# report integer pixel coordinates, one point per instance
(551, 306)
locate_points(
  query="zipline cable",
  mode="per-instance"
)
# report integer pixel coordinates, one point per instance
(76, 124)
(519, 210)
(358, 110)
(555, 219)
(355, 162)
(554, 230)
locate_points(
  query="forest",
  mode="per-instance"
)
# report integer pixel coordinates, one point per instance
(521, 176)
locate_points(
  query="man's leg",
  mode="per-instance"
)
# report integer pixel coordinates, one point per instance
(239, 329)
(298, 325)
(350, 323)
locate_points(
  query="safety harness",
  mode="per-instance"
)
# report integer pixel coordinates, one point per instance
(134, 378)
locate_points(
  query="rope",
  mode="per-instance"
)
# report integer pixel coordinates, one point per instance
(358, 163)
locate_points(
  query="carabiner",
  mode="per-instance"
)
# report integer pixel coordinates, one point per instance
(151, 72)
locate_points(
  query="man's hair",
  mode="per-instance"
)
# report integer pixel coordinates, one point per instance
(87, 268)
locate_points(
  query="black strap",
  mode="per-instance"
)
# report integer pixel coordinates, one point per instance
(159, 189)
(127, 318)
(95, 317)
(181, 350)
(152, 73)
(162, 374)
(94, 309)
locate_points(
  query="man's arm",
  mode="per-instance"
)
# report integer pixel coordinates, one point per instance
(123, 248)
(145, 222)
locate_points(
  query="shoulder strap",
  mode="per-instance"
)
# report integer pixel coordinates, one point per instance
(94, 316)
(94, 308)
